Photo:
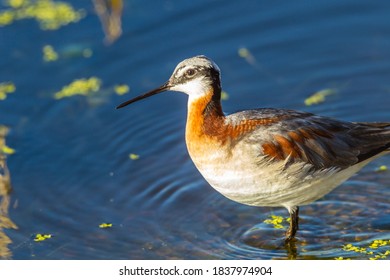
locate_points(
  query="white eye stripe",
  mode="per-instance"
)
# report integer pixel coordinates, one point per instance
(197, 62)
(195, 76)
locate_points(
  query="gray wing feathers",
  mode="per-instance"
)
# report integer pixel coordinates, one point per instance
(321, 141)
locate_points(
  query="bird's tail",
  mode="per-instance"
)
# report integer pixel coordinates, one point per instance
(376, 136)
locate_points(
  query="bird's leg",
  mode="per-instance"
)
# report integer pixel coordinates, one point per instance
(294, 219)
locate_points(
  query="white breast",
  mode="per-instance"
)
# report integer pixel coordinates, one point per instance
(262, 182)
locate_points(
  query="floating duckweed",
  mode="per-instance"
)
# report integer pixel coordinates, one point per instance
(247, 55)
(121, 89)
(50, 15)
(6, 18)
(16, 3)
(79, 87)
(4, 149)
(381, 256)
(276, 221)
(3, 131)
(224, 95)
(381, 168)
(350, 247)
(374, 251)
(379, 243)
(105, 225)
(319, 97)
(41, 237)
(243, 52)
(133, 156)
(7, 150)
(49, 54)
(75, 50)
(6, 88)
(87, 52)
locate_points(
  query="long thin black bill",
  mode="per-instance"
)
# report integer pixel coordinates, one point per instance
(162, 88)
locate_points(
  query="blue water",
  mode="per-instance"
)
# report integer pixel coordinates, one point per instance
(71, 170)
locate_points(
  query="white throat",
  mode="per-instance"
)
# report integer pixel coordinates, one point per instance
(194, 89)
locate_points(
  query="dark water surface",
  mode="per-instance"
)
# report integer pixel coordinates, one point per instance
(71, 169)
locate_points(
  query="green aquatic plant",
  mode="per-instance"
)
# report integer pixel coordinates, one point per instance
(277, 221)
(133, 156)
(79, 87)
(105, 225)
(69, 51)
(224, 95)
(5, 89)
(50, 15)
(49, 54)
(381, 168)
(378, 249)
(41, 237)
(319, 96)
(87, 52)
(121, 89)
(246, 54)
(4, 149)
(91, 88)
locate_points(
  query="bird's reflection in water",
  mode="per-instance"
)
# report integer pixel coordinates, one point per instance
(110, 15)
(264, 239)
(5, 190)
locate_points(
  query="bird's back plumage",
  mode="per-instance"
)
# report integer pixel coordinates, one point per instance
(320, 141)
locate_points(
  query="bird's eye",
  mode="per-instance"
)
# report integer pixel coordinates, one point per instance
(190, 72)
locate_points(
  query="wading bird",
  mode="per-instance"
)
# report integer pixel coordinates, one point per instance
(268, 157)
